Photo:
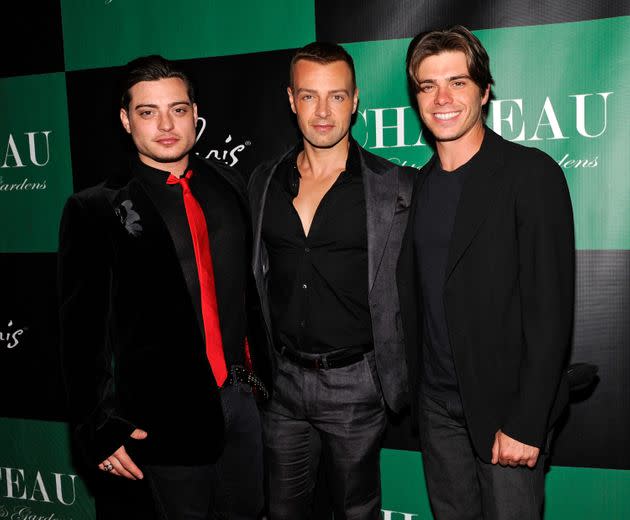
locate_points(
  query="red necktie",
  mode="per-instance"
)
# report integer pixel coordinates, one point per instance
(203, 258)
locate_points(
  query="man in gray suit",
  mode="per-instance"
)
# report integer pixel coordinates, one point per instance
(328, 222)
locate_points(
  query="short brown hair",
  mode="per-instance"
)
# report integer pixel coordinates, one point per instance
(151, 68)
(456, 38)
(323, 53)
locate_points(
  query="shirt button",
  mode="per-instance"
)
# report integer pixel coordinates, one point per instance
(304, 286)
(307, 249)
(302, 323)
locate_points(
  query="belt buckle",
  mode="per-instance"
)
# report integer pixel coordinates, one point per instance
(321, 362)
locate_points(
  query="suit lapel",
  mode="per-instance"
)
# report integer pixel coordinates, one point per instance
(176, 221)
(232, 177)
(407, 259)
(257, 190)
(257, 206)
(418, 186)
(475, 200)
(258, 196)
(381, 195)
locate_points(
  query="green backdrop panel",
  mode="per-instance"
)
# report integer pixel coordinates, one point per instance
(587, 493)
(563, 88)
(402, 485)
(571, 493)
(37, 480)
(112, 32)
(35, 169)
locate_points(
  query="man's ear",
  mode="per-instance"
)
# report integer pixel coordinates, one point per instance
(355, 100)
(486, 96)
(291, 99)
(195, 114)
(124, 119)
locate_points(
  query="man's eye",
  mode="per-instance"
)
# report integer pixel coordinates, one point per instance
(307, 97)
(146, 113)
(426, 88)
(181, 110)
(339, 97)
(459, 83)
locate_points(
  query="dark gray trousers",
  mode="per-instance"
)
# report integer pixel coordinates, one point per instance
(337, 415)
(463, 487)
(232, 488)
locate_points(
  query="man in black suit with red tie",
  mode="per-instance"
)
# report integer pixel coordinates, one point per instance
(485, 280)
(153, 270)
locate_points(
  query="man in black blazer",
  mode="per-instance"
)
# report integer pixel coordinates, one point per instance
(153, 270)
(328, 220)
(486, 286)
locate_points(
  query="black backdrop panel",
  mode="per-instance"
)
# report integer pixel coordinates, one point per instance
(97, 139)
(358, 20)
(31, 37)
(597, 431)
(243, 99)
(30, 368)
(243, 108)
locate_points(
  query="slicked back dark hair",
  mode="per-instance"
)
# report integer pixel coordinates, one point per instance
(323, 53)
(456, 38)
(151, 68)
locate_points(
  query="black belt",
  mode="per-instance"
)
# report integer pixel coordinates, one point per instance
(321, 362)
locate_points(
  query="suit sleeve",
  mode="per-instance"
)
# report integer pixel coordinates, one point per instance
(84, 276)
(546, 283)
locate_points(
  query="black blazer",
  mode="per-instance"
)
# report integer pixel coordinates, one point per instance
(508, 293)
(132, 341)
(388, 190)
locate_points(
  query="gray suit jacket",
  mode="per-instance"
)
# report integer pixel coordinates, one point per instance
(388, 190)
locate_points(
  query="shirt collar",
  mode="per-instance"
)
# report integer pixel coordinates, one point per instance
(353, 163)
(352, 170)
(148, 174)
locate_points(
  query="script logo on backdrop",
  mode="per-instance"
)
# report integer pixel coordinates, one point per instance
(10, 335)
(228, 152)
(22, 151)
(398, 127)
(34, 489)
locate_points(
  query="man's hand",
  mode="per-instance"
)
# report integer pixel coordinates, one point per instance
(510, 452)
(120, 464)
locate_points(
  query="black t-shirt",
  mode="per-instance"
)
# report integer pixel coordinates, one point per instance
(318, 284)
(433, 227)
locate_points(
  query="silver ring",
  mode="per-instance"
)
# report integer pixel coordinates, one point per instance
(108, 466)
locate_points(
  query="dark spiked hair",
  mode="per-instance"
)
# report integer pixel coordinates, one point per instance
(151, 68)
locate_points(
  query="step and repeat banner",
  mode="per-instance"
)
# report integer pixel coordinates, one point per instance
(562, 72)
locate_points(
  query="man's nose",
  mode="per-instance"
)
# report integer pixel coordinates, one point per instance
(323, 108)
(443, 96)
(165, 122)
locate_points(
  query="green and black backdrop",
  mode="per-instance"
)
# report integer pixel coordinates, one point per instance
(562, 70)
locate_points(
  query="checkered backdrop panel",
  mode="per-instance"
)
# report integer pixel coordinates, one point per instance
(561, 71)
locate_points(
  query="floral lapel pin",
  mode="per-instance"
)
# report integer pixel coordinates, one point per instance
(129, 218)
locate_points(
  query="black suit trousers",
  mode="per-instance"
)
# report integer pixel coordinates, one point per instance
(230, 488)
(461, 485)
(337, 416)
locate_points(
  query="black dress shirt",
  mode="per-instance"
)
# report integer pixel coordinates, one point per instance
(227, 234)
(318, 284)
